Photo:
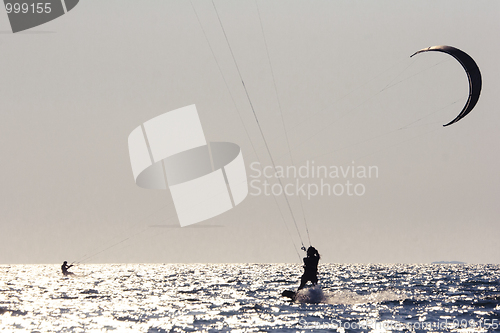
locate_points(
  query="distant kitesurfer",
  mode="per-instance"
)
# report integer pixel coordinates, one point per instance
(65, 268)
(310, 268)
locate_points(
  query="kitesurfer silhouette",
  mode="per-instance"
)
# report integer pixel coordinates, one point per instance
(310, 267)
(65, 267)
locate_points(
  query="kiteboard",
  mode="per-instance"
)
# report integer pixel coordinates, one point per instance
(290, 294)
(312, 295)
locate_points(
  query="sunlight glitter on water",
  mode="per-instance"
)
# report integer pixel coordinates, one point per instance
(247, 297)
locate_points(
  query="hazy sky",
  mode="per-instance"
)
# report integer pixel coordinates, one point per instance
(72, 90)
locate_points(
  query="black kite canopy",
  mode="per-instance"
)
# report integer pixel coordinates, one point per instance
(472, 71)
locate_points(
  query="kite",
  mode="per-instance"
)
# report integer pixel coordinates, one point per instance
(472, 71)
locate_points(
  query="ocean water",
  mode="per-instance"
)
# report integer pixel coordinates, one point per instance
(247, 298)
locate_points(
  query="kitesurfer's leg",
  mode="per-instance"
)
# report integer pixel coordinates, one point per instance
(303, 281)
(314, 280)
